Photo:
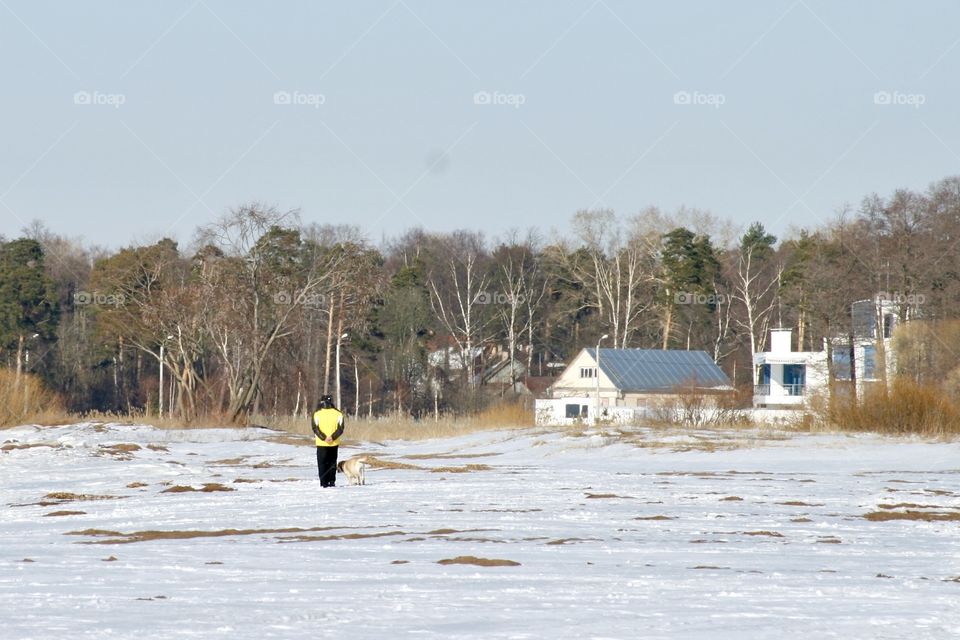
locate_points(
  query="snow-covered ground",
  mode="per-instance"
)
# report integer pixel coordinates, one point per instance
(546, 535)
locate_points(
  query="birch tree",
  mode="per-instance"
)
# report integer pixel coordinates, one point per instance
(519, 290)
(620, 262)
(459, 296)
(756, 283)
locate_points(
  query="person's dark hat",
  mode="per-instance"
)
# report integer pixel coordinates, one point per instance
(326, 401)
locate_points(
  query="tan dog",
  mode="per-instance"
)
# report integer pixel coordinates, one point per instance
(353, 469)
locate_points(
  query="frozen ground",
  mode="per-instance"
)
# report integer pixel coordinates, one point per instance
(549, 536)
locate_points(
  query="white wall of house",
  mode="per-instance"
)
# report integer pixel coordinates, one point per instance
(778, 393)
(574, 381)
(573, 410)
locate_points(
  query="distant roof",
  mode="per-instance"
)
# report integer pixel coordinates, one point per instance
(659, 370)
(538, 384)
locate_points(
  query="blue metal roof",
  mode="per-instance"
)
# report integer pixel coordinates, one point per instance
(657, 370)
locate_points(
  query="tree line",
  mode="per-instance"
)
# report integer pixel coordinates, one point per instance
(262, 313)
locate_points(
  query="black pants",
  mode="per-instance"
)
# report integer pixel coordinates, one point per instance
(327, 465)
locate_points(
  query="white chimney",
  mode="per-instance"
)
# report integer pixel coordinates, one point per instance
(781, 340)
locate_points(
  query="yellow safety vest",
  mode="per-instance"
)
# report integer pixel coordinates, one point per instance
(328, 421)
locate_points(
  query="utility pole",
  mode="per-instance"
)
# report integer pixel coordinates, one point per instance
(596, 419)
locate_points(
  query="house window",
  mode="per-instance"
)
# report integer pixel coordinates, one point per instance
(794, 378)
(841, 363)
(869, 362)
(765, 374)
(587, 372)
(575, 411)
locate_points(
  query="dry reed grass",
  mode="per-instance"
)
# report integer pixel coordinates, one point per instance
(906, 408)
(26, 400)
(500, 417)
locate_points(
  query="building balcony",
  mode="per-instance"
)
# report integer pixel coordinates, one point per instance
(775, 394)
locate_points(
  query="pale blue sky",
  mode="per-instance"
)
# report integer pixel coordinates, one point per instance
(127, 120)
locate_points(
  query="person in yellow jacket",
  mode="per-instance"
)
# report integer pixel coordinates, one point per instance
(327, 425)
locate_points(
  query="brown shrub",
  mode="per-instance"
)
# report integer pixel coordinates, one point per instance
(906, 408)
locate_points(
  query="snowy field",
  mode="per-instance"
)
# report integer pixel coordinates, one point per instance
(111, 531)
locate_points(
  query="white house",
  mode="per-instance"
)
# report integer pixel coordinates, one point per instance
(625, 383)
(873, 324)
(786, 378)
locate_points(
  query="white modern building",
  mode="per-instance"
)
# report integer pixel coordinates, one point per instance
(787, 379)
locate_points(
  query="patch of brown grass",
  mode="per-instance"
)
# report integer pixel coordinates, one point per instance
(798, 503)
(209, 487)
(924, 516)
(377, 463)
(446, 532)
(606, 496)
(908, 505)
(229, 462)
(94, 532)
(115, 537)
(654, 518)
(66, 496)
(768, 534)
(467, 468)
(13, 446)
(564, 541)
(122, 447)
(343, 536)
(479, 562)
(137, 485)
(448, 456)
(293, 440)
(64, 513)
